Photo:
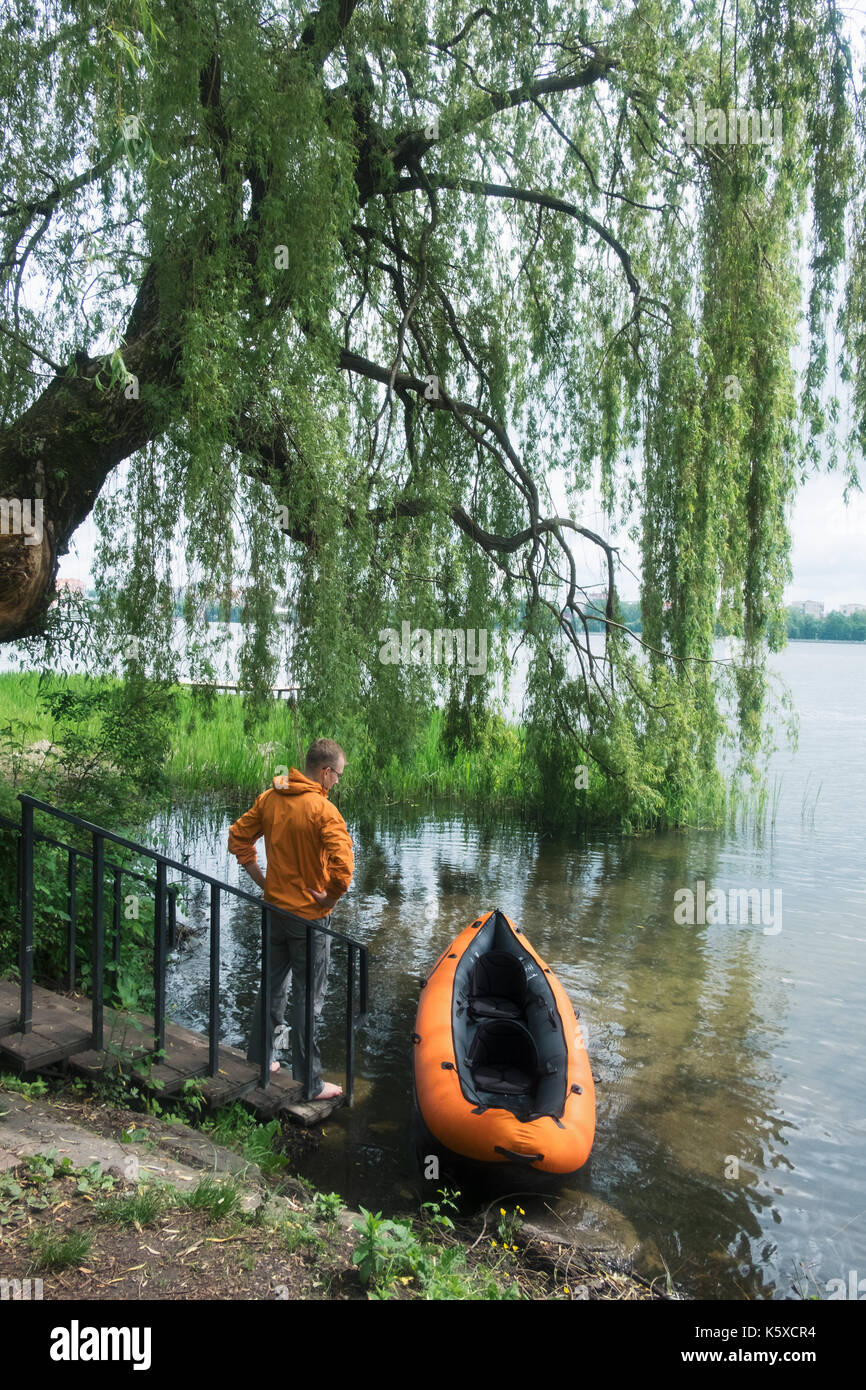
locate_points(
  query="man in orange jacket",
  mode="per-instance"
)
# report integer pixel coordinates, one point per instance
(310, 866)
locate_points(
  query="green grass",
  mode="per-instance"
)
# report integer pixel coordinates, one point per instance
(219, 1199)
(751, 806)
(142, 1208)
(300, 1234)
(51, 1250)
(391, 1255)
(217, 753)
(212, 751)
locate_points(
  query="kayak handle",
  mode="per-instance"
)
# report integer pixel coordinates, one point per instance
(520, 1158)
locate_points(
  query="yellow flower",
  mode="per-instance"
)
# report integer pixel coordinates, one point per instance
(501, 1211)
(514, 1247)
(522, 1212)
(566, 1289)
(493, 1242)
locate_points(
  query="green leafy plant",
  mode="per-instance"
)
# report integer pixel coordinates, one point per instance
(103, 726)
(10, 1193)
(40, 1167)
(193, 1098)
(328, 1205)
(434, 1212)
(383, 1248)
(31, 1089)
(92, 1178)
(133, 1135)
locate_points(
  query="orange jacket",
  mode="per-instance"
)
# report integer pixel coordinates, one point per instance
(306, 840)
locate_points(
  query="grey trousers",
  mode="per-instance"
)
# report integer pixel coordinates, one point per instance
(288, 941)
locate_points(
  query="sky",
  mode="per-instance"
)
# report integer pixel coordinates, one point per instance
(829, 550)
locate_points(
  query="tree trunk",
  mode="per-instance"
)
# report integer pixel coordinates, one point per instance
(55, 458)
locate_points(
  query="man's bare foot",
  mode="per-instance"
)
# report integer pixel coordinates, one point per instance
(329, 1090)
(275, 1066)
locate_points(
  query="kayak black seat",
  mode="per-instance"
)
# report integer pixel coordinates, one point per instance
(503, 1058)
(497, 987)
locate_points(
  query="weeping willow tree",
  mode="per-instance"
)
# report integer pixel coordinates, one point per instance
(351, 311)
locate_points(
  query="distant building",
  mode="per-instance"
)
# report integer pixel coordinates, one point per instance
(69, 586)
(850, 608)
(810, 609)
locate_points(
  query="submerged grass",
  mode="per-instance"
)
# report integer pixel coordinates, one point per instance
(235, 1126)
(753, 806)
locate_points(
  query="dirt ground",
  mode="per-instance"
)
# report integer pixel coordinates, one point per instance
(281, 1248)
(180, 1255)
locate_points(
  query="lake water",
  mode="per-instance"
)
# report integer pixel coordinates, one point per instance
(729, 1056)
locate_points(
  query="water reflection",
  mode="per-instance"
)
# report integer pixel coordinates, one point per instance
(729, 1061)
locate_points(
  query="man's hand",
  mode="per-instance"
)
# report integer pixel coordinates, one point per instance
(255, 873)
(323, 900)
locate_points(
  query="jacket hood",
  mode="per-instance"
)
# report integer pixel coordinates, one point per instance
(295, 784)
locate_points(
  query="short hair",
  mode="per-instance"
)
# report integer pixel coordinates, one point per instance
(323, 753)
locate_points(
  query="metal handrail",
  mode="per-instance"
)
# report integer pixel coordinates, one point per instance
(85, 853)
(164, 894)
(118, 871)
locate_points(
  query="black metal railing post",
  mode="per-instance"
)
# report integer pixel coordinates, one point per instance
(118, 901)
(350, 1026)
(172, 915)
(266, 1040)
(159, 958)
(26, 893)
(98, 937)
(214, 1012)
(71, 896)
(362, 990)
(19, 860)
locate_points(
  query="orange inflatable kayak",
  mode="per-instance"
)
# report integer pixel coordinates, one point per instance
(501, 1072)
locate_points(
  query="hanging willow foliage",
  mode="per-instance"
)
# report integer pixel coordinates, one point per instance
(370, 298)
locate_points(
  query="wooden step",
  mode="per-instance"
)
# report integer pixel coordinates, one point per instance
(61, 1027)
(62, 1032)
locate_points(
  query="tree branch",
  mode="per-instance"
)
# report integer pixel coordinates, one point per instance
(480, 13)
(543, 200)
(406, 147)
